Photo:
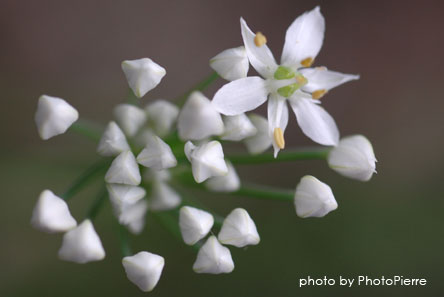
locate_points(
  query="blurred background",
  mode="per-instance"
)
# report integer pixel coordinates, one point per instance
(392, 225)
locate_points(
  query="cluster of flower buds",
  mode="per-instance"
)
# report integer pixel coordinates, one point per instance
(152, 152)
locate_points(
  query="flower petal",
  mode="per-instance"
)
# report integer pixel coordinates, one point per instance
(304, 38)
(261, 141)
(231, 64)
(320, 78)
(240, 96)
(277, 117)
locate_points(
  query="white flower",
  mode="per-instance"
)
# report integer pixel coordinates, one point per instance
(144, 269)
(130, 118)
(239, 229)
(156, 154)
(82, 244)
(225, 183)
(142, 75)
(51, 214)
(133, 216)
(198, 119)
(194, 224)
(290, 80)
(238, 127)
(213, 258)
(124, 170)
(353, 158)
(207, 160)
(123, 196)
(162, 115)
(313, 198)
(261, 141)
(231, 64)
(54, 116)
(113, 141)
(163, 197)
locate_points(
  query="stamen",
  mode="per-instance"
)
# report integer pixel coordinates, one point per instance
(307, 62)
(318, 93)
(279, 137)
(260, 39)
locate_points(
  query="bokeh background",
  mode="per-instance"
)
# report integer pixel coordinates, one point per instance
(392, 225)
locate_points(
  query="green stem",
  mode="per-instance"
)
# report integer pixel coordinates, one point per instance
(132, 98)
(125, 247)
(205, 83)
(88, 129)
(263, 193)
(97, 204)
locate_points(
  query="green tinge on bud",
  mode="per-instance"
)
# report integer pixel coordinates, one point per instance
(284, 73)
(287, 91)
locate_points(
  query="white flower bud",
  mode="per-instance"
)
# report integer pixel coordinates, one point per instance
(239, 229)
(133, 216)
(82, 245)
(163, 197)
(123, 196)
(144, 269)
(261, 141)
(157, 154)
(54, 116)
(238, 127)
(225, 183)
(207, 160)
(231, 64)
(113, 141)
(152, 175)
(194, 224)
(162, 115)
(213, 258)
(130, 118)
(313, 198)
(353, 158)
(142, 137)
(51, 214)
(142, 75)
(124, 170)
(198, 119)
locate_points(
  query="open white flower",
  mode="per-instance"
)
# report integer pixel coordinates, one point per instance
(54, 116)
(231, 64)
(224, 183)
(124, 170)
(124, 196)
(130, 118)
(261, 141)
(213, 258)
(163, 197)
(82, 244)
(143, 75)
(353, 158)
(291, 80)
(194, 224)
(238, 127)
(207, 160)
(156, 154)
(51, 214)
(133, 216)
(113, 141)
(144, 269)
(313, 198)
(162, 116)
(239, 229)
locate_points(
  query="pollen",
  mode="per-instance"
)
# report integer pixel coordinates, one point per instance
(260, 39)
(318, 93)
(307, 62)
(279, 137)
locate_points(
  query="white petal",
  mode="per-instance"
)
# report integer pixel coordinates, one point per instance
(51, 214)
(320, 78)
(164, 197)
(113, 141)
(123, 196)
(213, 258)
(82, 245)
(240, 96)
(315, 122)
(157, 155)
(225, 183)
(144, 269)
(238, 127)
(142, 75)
(260, 57)
(261, 141)
(124, 170)
(199, 119)
(231, 64)
(239, 229)
(133, 216)
(277, 118)
(162, 116)
(353, 158)
(313, 198)
(207, 160)
(194, 224)
(130, 118)
(304, 38)
(54, 116)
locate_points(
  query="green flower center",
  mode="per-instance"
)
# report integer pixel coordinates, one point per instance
(282, 73)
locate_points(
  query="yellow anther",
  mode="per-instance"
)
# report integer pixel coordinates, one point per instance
(301, 79)
(318, 93)
(260, 39)
(307, 62)
(279, 137)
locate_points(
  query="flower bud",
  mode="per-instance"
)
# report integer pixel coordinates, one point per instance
(124, 170)
(144, 269)
(238, 127)
(225, 183)
(123, 196)
(163, 197)
(213, 258)
(239, 229)
(133, 216)
(162, 115)
(113, 141)
(194, 224)
(231, 64)
(130, 118)
(261, 141)
(142, 75)
(157, 155)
